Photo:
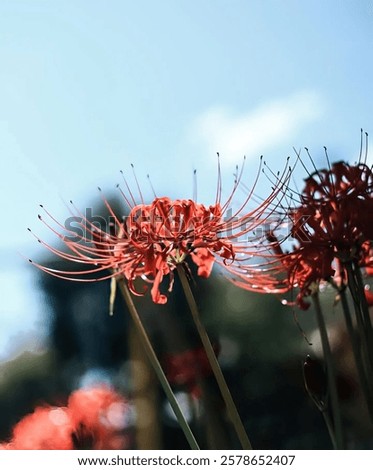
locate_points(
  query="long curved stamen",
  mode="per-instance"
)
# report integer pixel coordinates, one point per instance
(129, 192)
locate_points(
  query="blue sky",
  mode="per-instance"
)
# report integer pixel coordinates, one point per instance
(88, 87)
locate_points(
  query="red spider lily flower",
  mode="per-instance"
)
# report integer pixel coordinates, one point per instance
(330, 227)
(331, 221)
(187, 368)
(156, 237)
(334, 208)
(93, 419)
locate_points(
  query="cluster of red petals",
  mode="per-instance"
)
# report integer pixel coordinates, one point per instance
(334, 210)
(188, 368)
(93, 419)
(166, 232)
(150, 243)
(331, 225)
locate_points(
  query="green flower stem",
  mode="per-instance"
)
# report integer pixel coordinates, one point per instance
(364, 380)
(156, 365)
(217, 436)
(330, 370)
(227, 397)
(364, 304)
(363, 324)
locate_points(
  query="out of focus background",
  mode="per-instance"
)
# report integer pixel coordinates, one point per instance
(88, 88)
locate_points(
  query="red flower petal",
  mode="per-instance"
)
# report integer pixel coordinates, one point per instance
(204, 259)
(369, 297)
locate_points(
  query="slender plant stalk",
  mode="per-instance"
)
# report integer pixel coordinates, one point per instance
(330, 370)
(329, 426)
(362, 316)
(364, 380)
(148, 433)
(227, 397)
(363, 303)
(156, 365)
(216, 432)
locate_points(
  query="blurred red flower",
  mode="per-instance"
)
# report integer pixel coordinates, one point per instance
(47, 428)
(99, 414)
(93, 419)
(188, 368)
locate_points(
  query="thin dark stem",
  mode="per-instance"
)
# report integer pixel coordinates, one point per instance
(363, 325)
(217, 436)
(364, 380)
(156, 365)
(329, 426)
(330, 370)
(227, 397)
(363, 302)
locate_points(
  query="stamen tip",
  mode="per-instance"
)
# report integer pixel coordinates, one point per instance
(41, 205)
(132, 165)
(39, 217)
(98, 187)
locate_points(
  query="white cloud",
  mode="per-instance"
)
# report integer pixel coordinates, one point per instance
(258, 130)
